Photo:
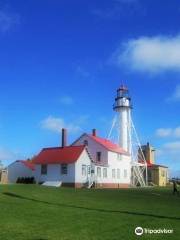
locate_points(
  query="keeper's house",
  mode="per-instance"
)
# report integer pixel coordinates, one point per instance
(89, 161)
(111, 162)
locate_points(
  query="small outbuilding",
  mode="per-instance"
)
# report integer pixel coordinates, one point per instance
(157, 174)
(3, 176)
(70, 165)
(20, 169)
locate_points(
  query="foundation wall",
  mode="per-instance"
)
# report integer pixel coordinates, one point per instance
(99, 185)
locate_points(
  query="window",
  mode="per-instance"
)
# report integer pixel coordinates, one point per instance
(125, 173)
(118, 173)
(83, 170)
(104, 172)
(113, 173)
(98, 156)
(98, 171)
(162, 173)
(64, 169)
(89, 169)
(119, 157)
(86, 142)
(149, 175)
(44, 169)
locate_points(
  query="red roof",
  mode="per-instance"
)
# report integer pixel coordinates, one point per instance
(149, 164)
(108, 144)
(28, 164)
(156, 165)
(59, 155)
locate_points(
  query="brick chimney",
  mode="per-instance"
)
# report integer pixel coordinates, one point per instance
(64, 137)
(94, 132)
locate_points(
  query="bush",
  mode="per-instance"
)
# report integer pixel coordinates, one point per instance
(18, 180)
(25, 180)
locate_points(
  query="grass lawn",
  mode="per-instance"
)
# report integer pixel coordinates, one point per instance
(32, 212)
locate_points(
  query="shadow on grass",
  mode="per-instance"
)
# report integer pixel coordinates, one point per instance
(90, 209)
(39, 239)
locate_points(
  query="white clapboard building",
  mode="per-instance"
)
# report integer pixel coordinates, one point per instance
(90, 161)
(111, 163)
(68, 165)
(20, 169)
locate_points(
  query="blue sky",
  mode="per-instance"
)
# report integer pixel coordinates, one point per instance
(62, 61)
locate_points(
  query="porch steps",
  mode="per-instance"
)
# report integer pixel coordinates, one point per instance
(52, 183)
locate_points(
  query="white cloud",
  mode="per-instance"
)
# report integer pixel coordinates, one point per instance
(163, 132)
(177, 132)
(173, 147)
(150, 54)
(8, 19)
(66, 100)
(168, 154)
(56, 124)
(168, 132)
(175, 96)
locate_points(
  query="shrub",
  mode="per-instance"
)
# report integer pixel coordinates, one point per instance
(25, 180)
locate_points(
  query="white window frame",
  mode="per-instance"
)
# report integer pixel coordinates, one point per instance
(125, 173)
(118, 173)
(88, 169)
(84, 170)
(104, 172)
(113, 173)
(99, 172)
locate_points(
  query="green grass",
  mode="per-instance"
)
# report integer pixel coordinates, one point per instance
(32, 212)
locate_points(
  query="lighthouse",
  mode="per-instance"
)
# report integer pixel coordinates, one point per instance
(123, 107)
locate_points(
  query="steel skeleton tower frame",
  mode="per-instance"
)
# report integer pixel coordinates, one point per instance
(127, 136)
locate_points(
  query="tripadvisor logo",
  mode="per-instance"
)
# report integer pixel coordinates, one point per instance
(139, 231)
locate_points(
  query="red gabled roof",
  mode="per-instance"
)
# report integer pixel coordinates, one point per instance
(108, 144)
(28, 164)
(58, 155)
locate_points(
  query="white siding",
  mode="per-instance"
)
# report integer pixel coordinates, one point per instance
(54, 173)
(74, 174)
(110, 160)
(93, 148)
(86, 161)
(18, 169)
(122, 164)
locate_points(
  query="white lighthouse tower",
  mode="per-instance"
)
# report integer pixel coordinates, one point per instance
(123, 106)
(127, 138)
